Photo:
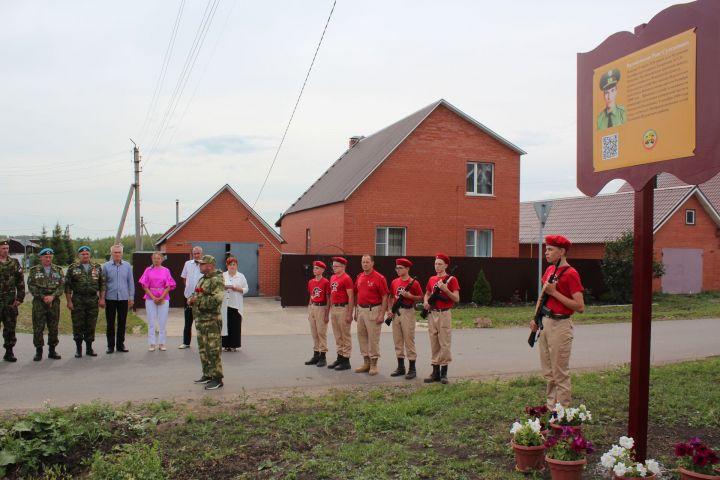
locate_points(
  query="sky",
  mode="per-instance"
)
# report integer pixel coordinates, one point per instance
(81, 80)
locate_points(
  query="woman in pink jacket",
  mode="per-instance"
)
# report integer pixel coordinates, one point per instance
(157, 283)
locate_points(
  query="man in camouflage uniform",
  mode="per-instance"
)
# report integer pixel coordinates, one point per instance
(45, 282)
(84, 281)
(12, 294)
(206, 302)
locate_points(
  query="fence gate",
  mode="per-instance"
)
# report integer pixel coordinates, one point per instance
(683, 270)
(246, 253)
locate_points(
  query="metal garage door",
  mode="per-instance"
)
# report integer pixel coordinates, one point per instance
(683, 270)
(246, 253)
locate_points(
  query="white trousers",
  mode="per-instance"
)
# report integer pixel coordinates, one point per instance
(157, 316)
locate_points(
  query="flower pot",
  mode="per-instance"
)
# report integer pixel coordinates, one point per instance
(689, 475)
(557, 429)
(529, 458)
(647, 477)
(566, 469)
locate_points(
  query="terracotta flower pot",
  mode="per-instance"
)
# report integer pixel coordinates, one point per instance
(566, 469)
(529, 458)
(647, 477)
(689, 475)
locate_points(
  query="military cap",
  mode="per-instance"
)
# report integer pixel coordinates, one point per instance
(46, 251)
(609, 79)
(339, 260)
(207, 259)
(403, 262)
(443, 257)
(318, 263)
(558, 241)
(84, 248)
(4, 242)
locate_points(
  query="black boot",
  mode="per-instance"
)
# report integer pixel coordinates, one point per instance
(78, 348)
(443, 375)
(434, 376)
(89, 350)
(9, 357)
(321, 360)
(344, 363)
(336, 362)
(314, 359)
(38, 354)
(400, 370)
(53, 354)
(411, 371)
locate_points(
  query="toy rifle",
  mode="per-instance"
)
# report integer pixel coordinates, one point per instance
(541, 310)
(435, 296)
(398, 302)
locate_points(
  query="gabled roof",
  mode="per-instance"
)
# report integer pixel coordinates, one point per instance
(711, 188)
(173, 230)
(605, 217)
(356, 164)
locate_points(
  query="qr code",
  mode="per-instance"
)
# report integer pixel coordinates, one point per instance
(610, 147)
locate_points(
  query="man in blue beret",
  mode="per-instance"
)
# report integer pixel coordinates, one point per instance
(45, 282)
(612, 115)
(85, 291)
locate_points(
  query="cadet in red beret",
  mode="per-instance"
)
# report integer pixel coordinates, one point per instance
(561, 282)
(318, 313)
(341, 298)
(440, 318)
(406, 291)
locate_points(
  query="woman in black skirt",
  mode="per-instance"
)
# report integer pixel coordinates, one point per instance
(232, 308)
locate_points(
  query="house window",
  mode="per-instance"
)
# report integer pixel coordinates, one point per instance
(690, 216)
(390, 241)
(479, 178)
(478, 243)
(307, 241)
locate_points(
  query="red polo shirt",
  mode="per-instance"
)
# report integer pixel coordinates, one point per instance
(319, 290)
(399, 285)
(568, 284)
(443, 301)
(339, 285)
(371, 288)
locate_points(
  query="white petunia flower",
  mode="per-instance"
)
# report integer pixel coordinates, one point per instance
(652, 466)
(607, 460)
(627, 442)
(641, 469)
(515, 428)
(535, 425)
(620, 469)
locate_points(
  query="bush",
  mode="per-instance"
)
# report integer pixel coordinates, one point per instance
(128, 461)
(617, 268)
(482, 294)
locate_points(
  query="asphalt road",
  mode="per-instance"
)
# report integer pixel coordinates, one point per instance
(275, 361)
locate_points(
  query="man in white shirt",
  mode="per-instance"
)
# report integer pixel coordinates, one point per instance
(190, 274)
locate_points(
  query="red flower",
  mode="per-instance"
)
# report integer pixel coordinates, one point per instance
(199, 290)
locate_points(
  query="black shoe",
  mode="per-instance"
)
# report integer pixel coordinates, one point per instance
(344, 364)
(411, 371)
(214, 385)
(78, 348)
(9, 357)
(110, 350)
(321, 360)
(443, 375)
(53, 354)
(89, 350)
(122, 349)
(38, 354)
(314, 359)
(336, 362)
(434, 376)
(202, 379)
(400, 370)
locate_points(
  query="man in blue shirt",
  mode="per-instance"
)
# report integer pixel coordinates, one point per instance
(119, 295)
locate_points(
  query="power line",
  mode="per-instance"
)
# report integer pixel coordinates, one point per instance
(282, 140)
(163, 72)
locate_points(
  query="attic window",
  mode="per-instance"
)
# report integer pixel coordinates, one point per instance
(690, 216)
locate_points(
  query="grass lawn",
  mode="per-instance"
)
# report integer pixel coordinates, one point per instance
(24, 323)
(665, 307)
(459, 431)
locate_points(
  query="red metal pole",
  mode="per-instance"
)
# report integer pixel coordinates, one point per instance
(641, 320)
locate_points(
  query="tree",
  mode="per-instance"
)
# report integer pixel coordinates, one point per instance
(56, 243)
(482, 293)
(44, 241)
(617, 268)
(68, 245)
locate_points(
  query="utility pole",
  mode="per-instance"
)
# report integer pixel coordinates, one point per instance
(136, 185)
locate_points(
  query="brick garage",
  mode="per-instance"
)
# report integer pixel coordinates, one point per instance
(227, 219)
(410, 177)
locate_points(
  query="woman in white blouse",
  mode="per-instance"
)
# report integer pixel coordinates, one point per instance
(232, 308)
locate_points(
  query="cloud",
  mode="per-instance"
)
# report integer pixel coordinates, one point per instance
(227, 144)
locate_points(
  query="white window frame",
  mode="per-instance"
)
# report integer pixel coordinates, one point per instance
(476, 244)
(688, 212)
(474, 192)
(384, 245)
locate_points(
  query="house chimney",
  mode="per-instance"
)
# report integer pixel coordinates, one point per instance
(354, 140)
(177, 212)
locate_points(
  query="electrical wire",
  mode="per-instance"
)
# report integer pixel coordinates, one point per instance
(282, 140)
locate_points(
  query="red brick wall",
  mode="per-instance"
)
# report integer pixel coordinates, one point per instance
(326, 230)
(704, 234)
(225, 219)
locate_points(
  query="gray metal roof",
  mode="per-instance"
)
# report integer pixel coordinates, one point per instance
(357, 163)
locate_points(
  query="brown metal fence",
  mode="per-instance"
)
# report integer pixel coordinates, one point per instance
(507, 276)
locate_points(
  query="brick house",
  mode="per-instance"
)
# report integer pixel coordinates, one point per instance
(686, 230)
(225, 224)
(435, 180)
